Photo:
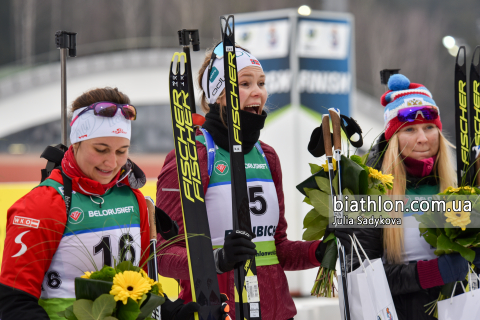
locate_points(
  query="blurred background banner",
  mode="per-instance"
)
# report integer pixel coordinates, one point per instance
(316, 54)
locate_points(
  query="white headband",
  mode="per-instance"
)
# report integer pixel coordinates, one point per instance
(217, 75)
(89, 126)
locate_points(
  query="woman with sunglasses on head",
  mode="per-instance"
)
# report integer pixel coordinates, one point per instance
(273, 251)
(415, 151)
(46, 248)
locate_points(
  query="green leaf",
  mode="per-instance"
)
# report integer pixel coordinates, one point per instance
(335, 182)
(307, 201)
(310, 217)
(320, 201)
(373, 191)
(127, 265)
(61, 314)
(314, 168)
(354, 177)
(444, 243)
(112, 318)
(314, 233)
(329, 260)
(69, 313)
(323, 184)
(103, 306)
(330, 237)
(129, 311)
(310, 182)
(466, 241)
(347, 192)
(152, 302)
(365, 157)
(91, 289)
(83, 309)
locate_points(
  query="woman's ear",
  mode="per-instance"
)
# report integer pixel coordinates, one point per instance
(75, 147)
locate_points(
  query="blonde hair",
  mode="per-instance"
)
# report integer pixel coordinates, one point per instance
(393, 238)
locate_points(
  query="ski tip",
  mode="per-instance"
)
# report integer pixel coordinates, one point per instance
(325, 115)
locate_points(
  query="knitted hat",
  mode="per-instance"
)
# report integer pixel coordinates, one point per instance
(402, 95)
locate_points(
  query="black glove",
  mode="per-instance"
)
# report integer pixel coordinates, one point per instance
(176, 310)
(237, 248)
(343, 234)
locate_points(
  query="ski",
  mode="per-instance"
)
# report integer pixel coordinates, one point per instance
(247, 296)
(474, 110)
(201, 264)
(462, 135)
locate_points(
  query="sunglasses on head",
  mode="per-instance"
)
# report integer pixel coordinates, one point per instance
(410, 114)
(109, 110)
(216, 53)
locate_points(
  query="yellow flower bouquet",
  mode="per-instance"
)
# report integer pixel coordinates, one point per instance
(123, 293)
(454, 228)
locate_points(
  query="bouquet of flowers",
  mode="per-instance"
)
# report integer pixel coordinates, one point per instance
(124, 292)
(357, 179)
(454, 228)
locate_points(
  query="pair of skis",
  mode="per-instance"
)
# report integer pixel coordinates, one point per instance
(337, 155)
(201, 263)
(467, 119)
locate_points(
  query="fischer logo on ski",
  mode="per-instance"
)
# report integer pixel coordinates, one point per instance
(201, 264)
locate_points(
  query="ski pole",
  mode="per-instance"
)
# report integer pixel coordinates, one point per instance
(327, 141)
(152, 263)
(65, 41)
(185, 37)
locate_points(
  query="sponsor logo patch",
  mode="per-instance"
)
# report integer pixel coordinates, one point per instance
(118, 131)
(254, 61)
(26, 222)
(76, 215)
(214, 74)
(18, 240)
(221, 167)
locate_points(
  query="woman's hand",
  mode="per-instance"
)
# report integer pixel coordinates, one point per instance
(236, 249)
(176, 310)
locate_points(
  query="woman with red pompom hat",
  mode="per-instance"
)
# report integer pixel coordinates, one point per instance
(415, 151)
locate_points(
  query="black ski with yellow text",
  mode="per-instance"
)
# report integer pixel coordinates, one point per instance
(463, 136)
(201, 264)
(474, 111)
(247, 296)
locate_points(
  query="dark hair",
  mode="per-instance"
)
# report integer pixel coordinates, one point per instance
(97, 95)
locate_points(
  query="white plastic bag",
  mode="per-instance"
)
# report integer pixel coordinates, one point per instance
(462, 307)
(369, 295)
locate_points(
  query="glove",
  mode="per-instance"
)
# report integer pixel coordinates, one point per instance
(237, 248)
(176, 310)
(341, 233)
(453, 267)
(476, 261)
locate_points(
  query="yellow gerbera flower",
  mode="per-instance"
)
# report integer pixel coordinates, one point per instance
(146, 277)
(386, 179)
(458, 219)
(129, 284)
(87, 275)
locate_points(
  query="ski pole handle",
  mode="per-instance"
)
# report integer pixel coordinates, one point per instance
(327, 139)
(337, 135)
(151, 218)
